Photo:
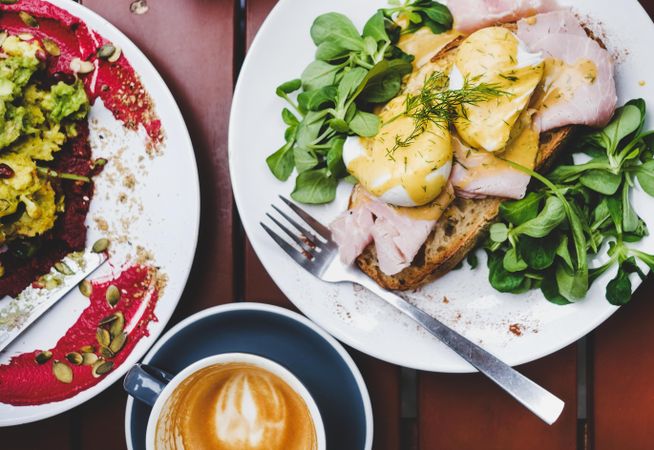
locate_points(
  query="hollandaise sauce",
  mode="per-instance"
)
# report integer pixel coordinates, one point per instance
(432, 210)
(494, 56)
(424, 44)
(561, 80)
(418, 171)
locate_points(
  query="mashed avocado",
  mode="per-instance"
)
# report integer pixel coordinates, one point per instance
(35, 121)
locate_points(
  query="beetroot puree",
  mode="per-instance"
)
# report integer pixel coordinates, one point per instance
(24, 382)
(116, 84)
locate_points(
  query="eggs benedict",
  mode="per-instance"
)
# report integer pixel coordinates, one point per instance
(463, 115)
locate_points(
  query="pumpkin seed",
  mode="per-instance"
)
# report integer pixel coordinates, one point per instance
(62, 372)
(63, 268)
(100, 245)
(118, 343)
(100, 162)
(87, 349)
(74, 358)
(3, 36)
(51, 283)
(51, 47)
(113, 295)
(103, 337)
(28, 19)
(109, 319)
(116, 55)
(86, 288)
(88, 359)
(106, 51)
(43, 357)
(117, 325)
(25, 36)
(106, 352)
(81, 67)
(101, 367)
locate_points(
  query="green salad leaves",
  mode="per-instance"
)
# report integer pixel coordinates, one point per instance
(334, 97)
(421, 13)
(579, 214)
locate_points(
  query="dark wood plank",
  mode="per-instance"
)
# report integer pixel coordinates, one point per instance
(192, 46)
(54, 433)
(258, 284)
(383, 380)
(470, 412)
(623, 367)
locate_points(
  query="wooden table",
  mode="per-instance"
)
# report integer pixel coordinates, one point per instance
(605, 379)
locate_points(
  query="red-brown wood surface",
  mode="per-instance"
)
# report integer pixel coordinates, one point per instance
(623, 365)
(470, 412)
(197, 46)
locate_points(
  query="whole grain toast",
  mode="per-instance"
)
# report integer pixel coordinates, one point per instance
(463, 224)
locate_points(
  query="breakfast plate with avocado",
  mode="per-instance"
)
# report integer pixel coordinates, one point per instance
(490, 161)
(89, 137)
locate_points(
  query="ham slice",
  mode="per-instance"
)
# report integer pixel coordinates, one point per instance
(560, 36)
(351, 231)
(397, 237)
(481, 174)
(472, 15)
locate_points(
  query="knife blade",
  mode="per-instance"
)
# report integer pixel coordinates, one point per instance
(18, 314)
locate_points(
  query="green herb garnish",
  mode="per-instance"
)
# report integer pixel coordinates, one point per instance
(437, 104)
(579, 216)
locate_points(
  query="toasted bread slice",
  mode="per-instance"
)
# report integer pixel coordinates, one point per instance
(459, 229)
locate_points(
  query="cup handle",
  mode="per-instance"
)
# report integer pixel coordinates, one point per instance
(145, 383)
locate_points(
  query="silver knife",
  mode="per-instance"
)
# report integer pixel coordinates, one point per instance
(18, 314)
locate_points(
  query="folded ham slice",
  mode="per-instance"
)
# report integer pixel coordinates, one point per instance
(351, 231)
(397, 236)
(590, 101)
(481, 174)
(472, 15)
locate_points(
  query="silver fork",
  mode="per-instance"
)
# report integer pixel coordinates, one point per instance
(317, 253)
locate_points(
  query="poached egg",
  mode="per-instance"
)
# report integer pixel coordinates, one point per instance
(496, 57)
(411, 175)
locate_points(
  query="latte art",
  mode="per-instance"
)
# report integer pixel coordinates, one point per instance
(250, 411)
(235, 407)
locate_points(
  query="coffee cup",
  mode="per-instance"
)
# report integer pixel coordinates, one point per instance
(228, 401)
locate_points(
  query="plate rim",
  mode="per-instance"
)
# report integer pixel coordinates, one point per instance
(262, 307)
(343, 336)
(163, 317)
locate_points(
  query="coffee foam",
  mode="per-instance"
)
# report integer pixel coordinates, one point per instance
(235, 407)
(249, 411)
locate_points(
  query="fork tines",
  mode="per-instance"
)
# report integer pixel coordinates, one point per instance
(312, 242)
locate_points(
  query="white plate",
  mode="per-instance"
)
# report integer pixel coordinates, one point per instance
(279, 53)
(167, 225)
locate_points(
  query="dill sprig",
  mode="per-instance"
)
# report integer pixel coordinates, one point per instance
(437, 104)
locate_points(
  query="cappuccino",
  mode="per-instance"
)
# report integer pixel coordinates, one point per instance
(235, 406)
